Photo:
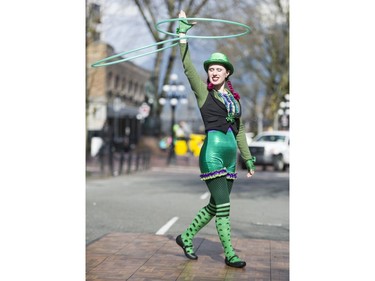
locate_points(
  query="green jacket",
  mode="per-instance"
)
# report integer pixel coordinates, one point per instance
(201, 93)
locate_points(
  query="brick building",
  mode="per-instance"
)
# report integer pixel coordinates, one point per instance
(115, 94)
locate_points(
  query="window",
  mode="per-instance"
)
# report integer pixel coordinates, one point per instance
(123, 84)
(272, 138)
(135, 87)
(130, 86)
(117, 80)
(109, 79)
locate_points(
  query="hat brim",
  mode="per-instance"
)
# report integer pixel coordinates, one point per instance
(226, 64)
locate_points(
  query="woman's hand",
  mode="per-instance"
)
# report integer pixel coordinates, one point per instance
(250, 164)
(250, 173)
(182, 14)
(184, 26)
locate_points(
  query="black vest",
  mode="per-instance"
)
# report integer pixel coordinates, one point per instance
(214, 115)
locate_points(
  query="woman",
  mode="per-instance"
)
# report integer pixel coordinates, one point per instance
(221, 110)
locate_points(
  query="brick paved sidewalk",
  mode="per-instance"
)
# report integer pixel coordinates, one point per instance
(144, 257)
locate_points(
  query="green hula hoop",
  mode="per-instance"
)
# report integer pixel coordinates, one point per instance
(107, 61)
(248, 29)
(104, 62)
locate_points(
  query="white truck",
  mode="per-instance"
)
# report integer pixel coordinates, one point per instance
(271, 148)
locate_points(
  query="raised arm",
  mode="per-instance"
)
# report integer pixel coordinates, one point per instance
(197, 85)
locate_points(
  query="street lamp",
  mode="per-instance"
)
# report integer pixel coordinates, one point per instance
(174, 95)
(117, 105)
(284, 112)
(116, 137)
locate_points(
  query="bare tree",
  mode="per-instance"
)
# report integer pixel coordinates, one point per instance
(152, 12)
(262, 58)
(268, 55)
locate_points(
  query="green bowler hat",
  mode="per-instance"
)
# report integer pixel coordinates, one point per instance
(219, 58)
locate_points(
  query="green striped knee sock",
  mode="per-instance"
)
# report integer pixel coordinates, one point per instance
(223, 228)
(203, 217)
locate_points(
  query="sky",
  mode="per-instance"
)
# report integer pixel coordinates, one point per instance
(123, 28)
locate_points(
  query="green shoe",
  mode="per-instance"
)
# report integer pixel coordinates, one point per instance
(180, 243)
(237, 264)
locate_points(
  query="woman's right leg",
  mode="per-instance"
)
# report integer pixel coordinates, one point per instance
(203, 217)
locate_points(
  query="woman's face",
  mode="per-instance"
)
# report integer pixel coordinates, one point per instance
(217, 74)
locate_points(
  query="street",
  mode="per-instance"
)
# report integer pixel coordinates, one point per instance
(165, 200)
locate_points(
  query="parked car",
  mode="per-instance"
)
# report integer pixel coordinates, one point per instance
(270, 149)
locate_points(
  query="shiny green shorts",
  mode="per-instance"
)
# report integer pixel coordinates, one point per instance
(218, 155)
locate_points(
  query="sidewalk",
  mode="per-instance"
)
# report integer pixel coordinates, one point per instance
(93, 168)
(146, 257)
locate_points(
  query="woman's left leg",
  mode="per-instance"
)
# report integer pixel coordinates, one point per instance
(220, 188)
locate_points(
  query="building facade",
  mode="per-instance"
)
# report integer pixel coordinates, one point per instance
(114, 98)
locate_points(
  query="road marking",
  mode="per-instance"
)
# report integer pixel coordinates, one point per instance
(205, 195)
(167, 226)
(268, 224)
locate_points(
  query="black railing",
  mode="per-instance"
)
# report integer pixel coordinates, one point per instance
(112, 162)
